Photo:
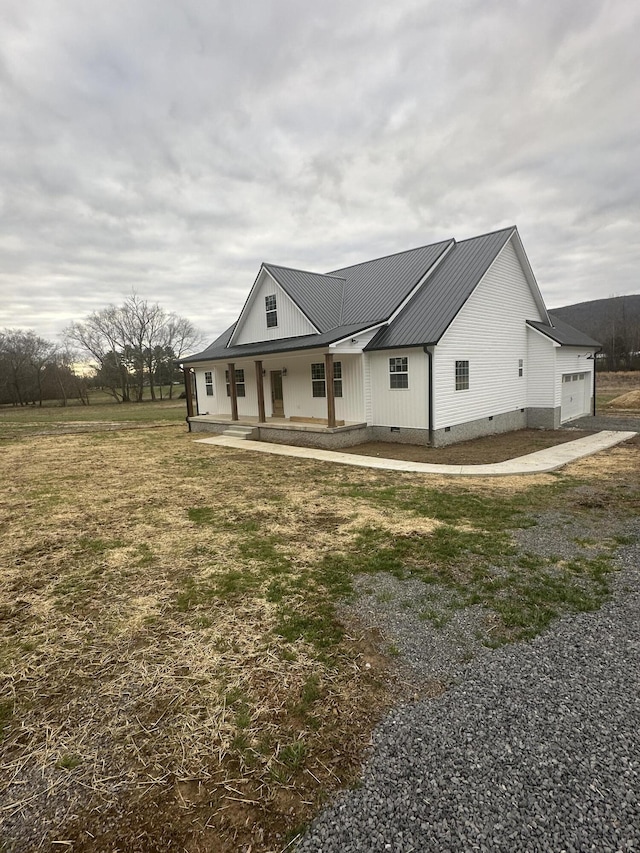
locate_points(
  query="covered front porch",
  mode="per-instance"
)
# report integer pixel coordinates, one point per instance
(297, 398)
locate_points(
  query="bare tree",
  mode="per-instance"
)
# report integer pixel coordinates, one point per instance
(129, 342)
(23, 357)
(180, 338)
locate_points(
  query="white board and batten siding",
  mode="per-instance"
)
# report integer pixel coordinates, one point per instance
(490, 333)
(207, 404)
(398, 407)
(297, 388)
(253, 324)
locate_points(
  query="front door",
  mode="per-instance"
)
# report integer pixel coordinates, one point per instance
(277, 403)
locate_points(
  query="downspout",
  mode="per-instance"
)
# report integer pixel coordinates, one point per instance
(430, 395)
(595, 371)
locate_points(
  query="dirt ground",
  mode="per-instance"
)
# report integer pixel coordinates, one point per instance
(479, 451)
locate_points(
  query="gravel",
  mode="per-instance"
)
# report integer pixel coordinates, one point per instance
(536, 747)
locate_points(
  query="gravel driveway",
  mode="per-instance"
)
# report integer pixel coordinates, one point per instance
(536, 747)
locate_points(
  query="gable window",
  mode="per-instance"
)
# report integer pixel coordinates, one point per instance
(240, 386)
(272, 310)
(462, 375)
(520, 367)
(398, 372)
(208, 382)
(318, 381)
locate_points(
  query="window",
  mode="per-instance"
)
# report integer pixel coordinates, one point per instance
(337, 379)
(520, 367)
(318, 382)
(271, 309)
(208, 381)
(398, 372)
(462, 375)
(240, 387)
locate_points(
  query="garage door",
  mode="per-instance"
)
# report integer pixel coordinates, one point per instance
(576, 395)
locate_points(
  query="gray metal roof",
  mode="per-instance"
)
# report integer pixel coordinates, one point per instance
(564, 334)
(219, 351)
(375, 289)
(346, 301)
(318, 296)
(428, 315)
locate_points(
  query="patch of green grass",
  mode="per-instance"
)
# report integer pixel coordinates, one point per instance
(321, 628)
(438, 617)
(68, 762)
(98, 545)
(202, 515)
(624, 540)
(293, 754)
(262, 549)
(456, 506)
(146, 556)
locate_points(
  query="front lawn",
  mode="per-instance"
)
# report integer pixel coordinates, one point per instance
(174, 674)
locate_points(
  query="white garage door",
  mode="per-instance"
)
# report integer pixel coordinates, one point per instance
(576, 395)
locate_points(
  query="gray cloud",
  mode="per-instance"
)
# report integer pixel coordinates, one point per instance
(170, 147)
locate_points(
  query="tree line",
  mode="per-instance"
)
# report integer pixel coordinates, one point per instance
(131, 347)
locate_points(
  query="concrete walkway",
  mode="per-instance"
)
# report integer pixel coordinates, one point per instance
(533, 463)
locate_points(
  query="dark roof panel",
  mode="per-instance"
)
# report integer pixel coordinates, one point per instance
(318, 296)
(428, 315)
(375, 289)
(564, 334)
(218, 351)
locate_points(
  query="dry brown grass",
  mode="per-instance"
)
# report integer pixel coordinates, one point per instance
(148, 699)
(124, 701)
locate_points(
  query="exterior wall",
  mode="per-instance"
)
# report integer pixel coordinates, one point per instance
(399, 407)
(329, 439)
(291, 320)
(541, 371)
(204, 404)
(543, 418)
(490, 333)
(400, 435)
(507, 422)
(297, 389)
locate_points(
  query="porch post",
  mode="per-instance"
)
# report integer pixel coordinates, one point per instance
(233, 390)
(186, 371)
(331, 400)
(262, 417)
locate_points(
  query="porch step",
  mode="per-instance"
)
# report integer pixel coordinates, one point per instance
(241, 432)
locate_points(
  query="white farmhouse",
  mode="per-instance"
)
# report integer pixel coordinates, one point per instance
(430, 346)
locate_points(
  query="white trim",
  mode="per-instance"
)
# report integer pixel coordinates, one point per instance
(354, 334)
(545, 336)
(529, 275)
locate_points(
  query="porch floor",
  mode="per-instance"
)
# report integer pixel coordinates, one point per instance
(276, 423)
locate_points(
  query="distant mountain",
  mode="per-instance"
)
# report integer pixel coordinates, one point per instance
(614, 322)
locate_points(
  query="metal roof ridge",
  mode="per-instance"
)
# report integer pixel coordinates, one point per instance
(307, 272)
(509, 228)
(391, 255)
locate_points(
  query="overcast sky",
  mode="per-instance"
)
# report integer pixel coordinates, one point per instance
(170, 146)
